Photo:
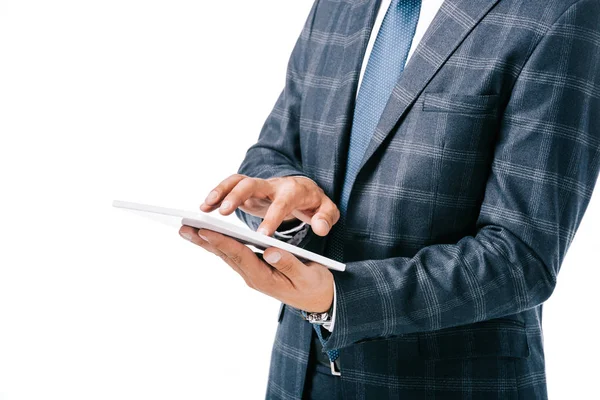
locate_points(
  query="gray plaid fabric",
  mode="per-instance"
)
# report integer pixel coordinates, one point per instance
(466, 202)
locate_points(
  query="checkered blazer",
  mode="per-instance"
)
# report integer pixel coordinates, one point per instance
(469, 195)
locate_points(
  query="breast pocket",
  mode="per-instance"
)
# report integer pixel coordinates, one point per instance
(465, 125)
(475, 105)
(465, 128)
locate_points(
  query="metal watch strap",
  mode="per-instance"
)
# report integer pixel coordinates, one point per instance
(319, 318)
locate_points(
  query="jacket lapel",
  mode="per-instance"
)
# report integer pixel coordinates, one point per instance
(449, 28)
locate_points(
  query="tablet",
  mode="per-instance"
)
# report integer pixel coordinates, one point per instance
(176, 218)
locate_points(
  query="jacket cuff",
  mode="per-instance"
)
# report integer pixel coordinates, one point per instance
(352, 314)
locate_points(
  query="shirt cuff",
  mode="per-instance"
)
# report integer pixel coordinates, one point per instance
(288, 234)
(298, 234)
(329, 325)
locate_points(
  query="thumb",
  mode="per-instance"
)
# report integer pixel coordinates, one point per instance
(283, 261)
(325, 217)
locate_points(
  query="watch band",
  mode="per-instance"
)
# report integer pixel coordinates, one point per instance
(319, 318)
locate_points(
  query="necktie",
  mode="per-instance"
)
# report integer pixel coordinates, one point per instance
(385, 65)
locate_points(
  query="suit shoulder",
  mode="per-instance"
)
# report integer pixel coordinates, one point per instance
(577, 5)
(545, 13)
(580, 13)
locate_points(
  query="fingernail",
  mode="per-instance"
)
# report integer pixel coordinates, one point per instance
(186, 236)
(226, 205)
(273, 257)
(262, 231)
(203, 237)
(212, 196)
(324, 224)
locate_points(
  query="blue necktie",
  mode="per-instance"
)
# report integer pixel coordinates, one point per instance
(385, 65)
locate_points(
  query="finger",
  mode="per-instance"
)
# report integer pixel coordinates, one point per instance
(326, 216)
(222, 189)
(239, 254)
(302, 216)
(284, 262)
(206, 208)
(191, 234)
(244, 190)
(275, 215)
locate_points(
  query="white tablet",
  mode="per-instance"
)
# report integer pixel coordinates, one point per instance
(176, 218)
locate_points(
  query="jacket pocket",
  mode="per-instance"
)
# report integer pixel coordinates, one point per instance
(494, 338)
(461, 103)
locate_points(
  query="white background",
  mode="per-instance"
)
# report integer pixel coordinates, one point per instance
(156, 101)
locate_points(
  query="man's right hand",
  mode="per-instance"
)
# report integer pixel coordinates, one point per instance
(275, 200)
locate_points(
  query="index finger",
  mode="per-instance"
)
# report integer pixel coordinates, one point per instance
(275, 215)
(216, 196)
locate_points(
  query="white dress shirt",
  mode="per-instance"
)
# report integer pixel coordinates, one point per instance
(429, 8)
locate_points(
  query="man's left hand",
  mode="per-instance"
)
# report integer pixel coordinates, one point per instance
(308, 287)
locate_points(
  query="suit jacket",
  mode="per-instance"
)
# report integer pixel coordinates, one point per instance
(469, 194)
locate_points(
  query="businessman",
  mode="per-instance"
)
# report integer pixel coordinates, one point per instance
(446, 153)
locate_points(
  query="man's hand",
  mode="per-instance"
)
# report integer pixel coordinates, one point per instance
(275, 200)
(308, 287)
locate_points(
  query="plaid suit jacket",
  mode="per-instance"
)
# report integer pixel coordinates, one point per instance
(470, 193)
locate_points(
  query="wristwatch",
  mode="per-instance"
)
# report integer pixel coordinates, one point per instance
(319, 318)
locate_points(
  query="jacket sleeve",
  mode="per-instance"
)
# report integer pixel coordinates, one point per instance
(277, 151)
(545, 166)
